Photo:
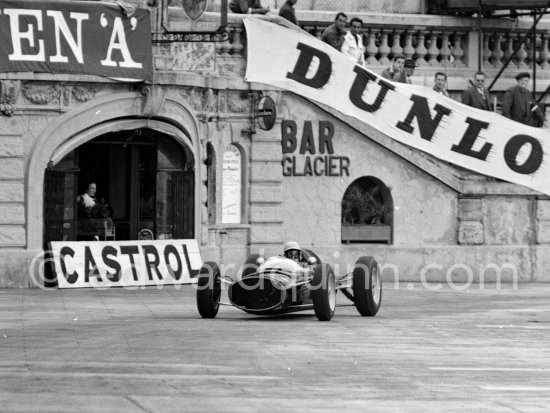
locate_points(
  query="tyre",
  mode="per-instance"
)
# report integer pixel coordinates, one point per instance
(309, 253)
(209, 289)
(323, 292)
(367, 286)
(250, 266)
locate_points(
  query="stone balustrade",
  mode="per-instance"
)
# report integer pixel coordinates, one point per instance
(428, 47)
(436, 43)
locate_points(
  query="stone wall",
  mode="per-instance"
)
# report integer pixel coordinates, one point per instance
(424, 209)
(12, 175)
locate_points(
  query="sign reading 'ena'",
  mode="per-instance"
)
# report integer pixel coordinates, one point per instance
(417, 116)
(75, 37)
(125, 263)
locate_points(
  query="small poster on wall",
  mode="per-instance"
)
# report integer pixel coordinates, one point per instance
(231, 186)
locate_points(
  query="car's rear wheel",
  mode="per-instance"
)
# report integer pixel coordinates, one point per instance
(323, 292)
(367, 286)
(209, 290)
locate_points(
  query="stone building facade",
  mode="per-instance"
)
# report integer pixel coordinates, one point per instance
(440, 222)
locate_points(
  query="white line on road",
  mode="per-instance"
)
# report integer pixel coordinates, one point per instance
(517, 388)
(488, 369)
(526, 310)
(513, 326)
(151, 376)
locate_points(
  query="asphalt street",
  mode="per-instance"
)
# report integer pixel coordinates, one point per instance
(476, 350)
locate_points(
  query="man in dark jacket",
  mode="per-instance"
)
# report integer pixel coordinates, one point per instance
(519, 105)
(335, 33)
(477, 95)
(287, 11)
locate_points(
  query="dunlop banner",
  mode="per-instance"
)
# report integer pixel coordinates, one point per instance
(80, 37)
(485, 142)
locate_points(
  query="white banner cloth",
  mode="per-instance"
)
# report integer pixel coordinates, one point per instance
(482, 141)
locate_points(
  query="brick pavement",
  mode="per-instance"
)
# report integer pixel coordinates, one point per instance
(148, 351)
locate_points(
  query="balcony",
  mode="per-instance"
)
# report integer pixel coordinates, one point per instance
(437, 43)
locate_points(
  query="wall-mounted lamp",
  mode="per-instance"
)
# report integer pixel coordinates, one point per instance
(265, 112)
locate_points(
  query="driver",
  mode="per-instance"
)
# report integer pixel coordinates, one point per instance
(293, 251)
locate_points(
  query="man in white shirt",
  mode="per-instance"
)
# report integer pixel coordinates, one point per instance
(440, 80)
(353, 42)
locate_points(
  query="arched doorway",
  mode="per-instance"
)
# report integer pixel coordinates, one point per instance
(145, 187)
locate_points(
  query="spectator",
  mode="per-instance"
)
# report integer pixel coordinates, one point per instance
(477, 96)
(287, 11)
(91, 214)
(409, 65)
(87, 200)
(440, 79)
(353, 42)
(334, 34)
(247, 7)
(519, 105)
(396, 71)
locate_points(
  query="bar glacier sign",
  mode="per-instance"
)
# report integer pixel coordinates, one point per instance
(76, 37)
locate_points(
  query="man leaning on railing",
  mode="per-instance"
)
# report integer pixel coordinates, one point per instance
(335, 33)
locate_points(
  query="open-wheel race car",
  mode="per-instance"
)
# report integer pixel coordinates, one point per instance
(282, 285)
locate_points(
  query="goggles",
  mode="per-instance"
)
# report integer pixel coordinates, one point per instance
(293, 254)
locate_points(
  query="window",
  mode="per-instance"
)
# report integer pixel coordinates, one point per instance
(367, 212)
(210, 183)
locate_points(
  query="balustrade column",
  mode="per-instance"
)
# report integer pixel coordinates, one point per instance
(445, 49)
(371, 48)
(408, 50)
(433, 51)
(384, 48)
(486, 51)
(457, 51)
(237, 46)
(529, 57)
(497, 53)
(521, 55)
(509, 49)
(421, 50)
(396, 48)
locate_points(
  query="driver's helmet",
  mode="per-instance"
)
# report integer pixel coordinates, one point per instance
(293, 251)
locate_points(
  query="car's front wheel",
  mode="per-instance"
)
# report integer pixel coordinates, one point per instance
(209, 290)
(367, 286)
(323, 292)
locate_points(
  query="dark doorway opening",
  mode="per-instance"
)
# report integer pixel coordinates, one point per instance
(145, 189)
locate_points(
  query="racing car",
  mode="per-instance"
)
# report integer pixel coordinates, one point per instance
(280, 285)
